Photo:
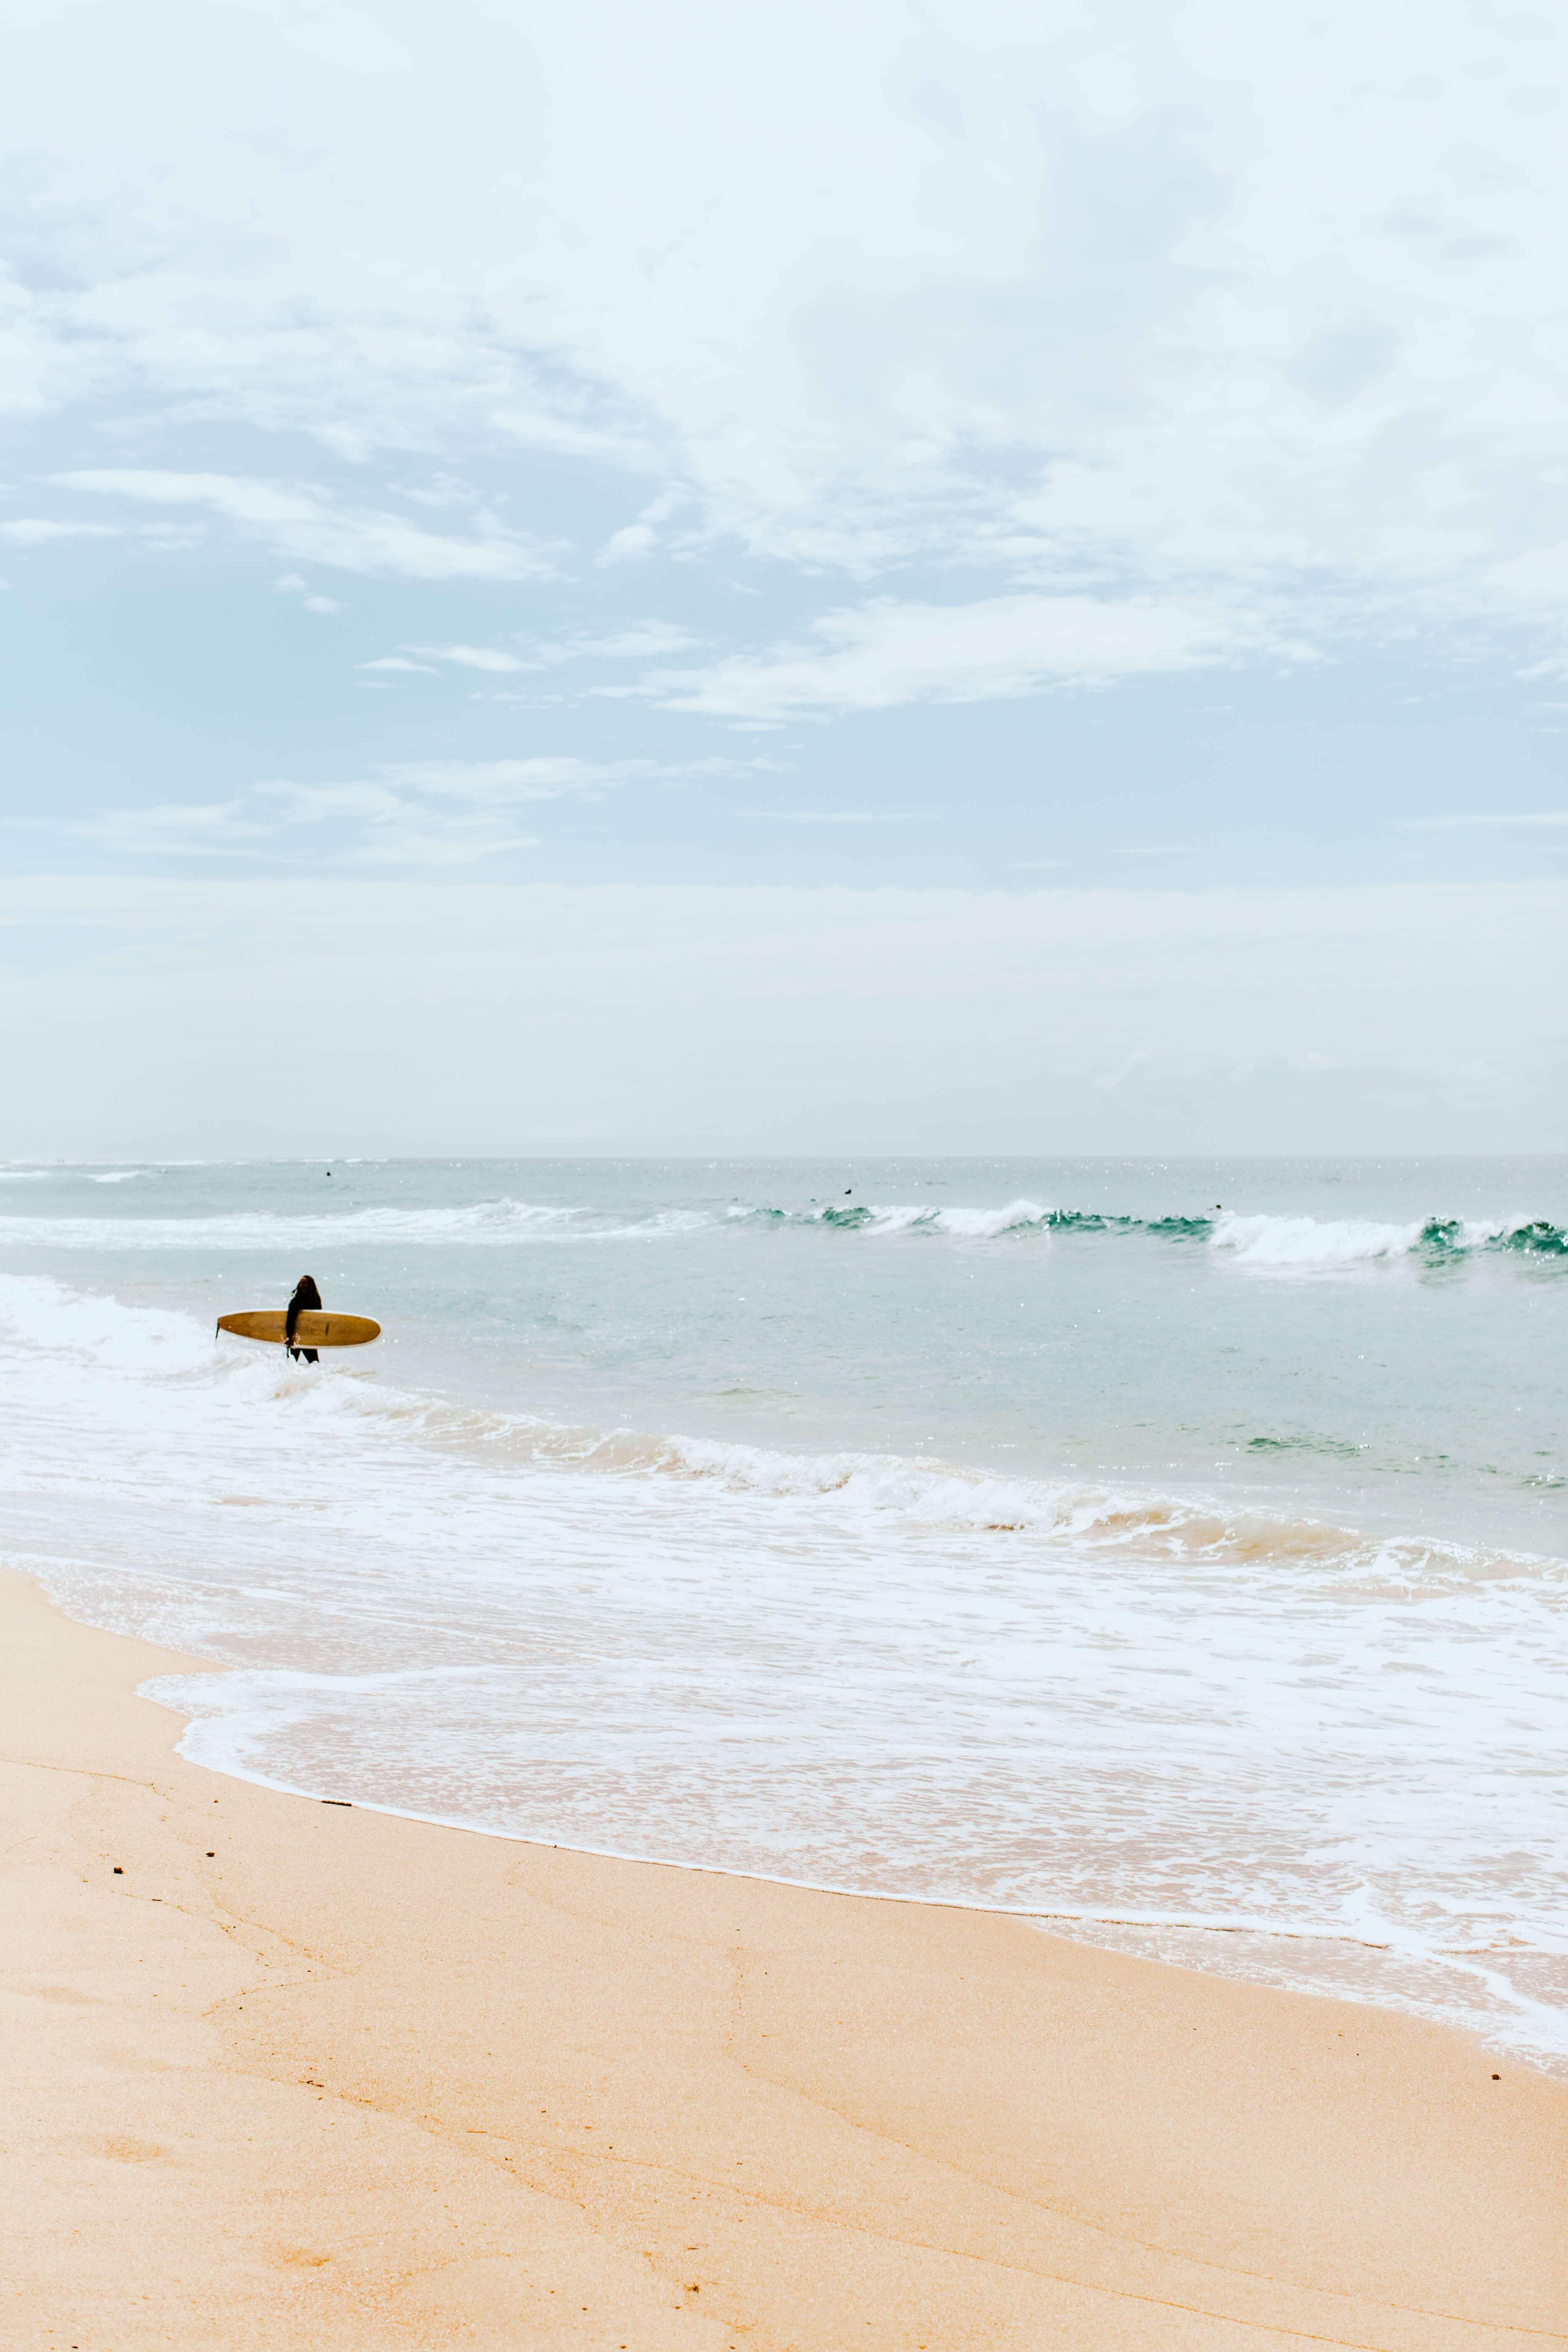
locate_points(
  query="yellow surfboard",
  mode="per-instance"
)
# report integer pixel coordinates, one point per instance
(314, 1328)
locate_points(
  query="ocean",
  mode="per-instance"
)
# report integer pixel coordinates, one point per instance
(1175, 1553)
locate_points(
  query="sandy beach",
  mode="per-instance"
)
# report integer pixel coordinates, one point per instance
(283, 2073)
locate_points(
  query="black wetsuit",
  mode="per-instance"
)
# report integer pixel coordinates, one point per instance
(305, 1295)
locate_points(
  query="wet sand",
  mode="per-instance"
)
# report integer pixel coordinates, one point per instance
(303, 2075)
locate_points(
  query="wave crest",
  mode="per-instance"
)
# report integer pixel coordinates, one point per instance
(1312, 1242)
(1261, 1241)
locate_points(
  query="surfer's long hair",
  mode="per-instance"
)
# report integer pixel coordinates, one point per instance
(305, 1295)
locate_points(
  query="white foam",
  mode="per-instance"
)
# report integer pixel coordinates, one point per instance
(983, 1225)
(1311, 1242)
(893, 1217)
(1316, 1244)
(482, 1223)
(965, 1225)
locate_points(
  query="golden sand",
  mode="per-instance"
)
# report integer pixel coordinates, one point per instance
(287, 2075)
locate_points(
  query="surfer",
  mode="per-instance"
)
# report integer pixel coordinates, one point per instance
(305, 1295)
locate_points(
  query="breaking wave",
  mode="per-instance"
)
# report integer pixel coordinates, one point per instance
(1276, 1244)
(1260, 1241)
(1311, 1242)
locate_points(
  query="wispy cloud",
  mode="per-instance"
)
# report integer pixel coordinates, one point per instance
(308, 524)
(1488, 818)
(293, 584)
(445, 812)
(30, 530)
(176, 829)
(636, 641)
(641, 537)
(646, 640)
(485, 657)
(842, 816)
(876, 655)
(410, 813)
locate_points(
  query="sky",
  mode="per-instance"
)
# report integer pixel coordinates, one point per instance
(906, 577)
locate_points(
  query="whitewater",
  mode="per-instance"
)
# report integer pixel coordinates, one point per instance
(1173, 1553)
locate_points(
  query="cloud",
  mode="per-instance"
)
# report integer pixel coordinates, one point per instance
(1550, 818)
(292, 584)
(443, 813)
(486, 658)
(637, 539)
(644, 640)
(513, 781)
(310, 525)
(878, 656)
(173, 828)
(842, 816)
(641, 537)
(29, 531)
(1099, 309)
(638, 641)
(349, 38)
(407, 812)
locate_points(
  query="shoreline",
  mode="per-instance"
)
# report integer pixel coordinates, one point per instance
(1440, 1845)
(1052, 1923)
(346, 2079)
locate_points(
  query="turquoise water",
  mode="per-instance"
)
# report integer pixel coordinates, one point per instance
(1175, 1550)
(1385, 1341)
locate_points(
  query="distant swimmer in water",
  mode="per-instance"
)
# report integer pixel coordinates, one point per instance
(305, 1295)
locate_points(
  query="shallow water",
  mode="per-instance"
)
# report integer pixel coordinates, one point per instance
(1173, 1550)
